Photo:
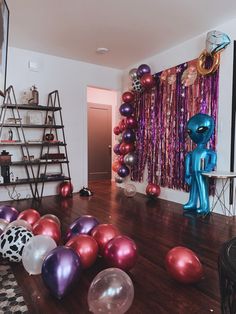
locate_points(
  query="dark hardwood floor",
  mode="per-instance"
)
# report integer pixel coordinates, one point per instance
(156, 227)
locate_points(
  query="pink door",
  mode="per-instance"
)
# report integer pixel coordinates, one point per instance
(99, 142)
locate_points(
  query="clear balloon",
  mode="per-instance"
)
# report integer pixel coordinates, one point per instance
(61, 268)
(19, 223)
(13, 241)
(8, 213)
(130, 190)
(30, 215)
(35, 251)
(111, 291)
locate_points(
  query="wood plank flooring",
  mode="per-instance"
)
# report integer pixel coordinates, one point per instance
(156, 227)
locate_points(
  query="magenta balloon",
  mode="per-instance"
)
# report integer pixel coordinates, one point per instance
(121, 252)
(8, 213)
(82, 225)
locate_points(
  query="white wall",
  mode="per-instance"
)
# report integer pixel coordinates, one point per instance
(184, 52)
(71, 78)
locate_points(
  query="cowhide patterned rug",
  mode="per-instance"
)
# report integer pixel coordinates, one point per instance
(11, 298)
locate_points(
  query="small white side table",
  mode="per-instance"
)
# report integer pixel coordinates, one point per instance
(224, 177)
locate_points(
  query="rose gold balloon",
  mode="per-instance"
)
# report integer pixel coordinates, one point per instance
(183, 265)
(29, 215)
(121, 159)
(47, 227)
(116, 165)
(86, 247)
(52, 217)
(128, 97)
(104, 233)
(153, 190)
(116, 130)
(121, 252)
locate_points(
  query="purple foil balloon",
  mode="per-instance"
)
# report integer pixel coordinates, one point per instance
(123, 171)
(129, 136)
(8, 213)
(116, 149)
(143, 69)
(60, 269)
(126, 109)
(82, 225)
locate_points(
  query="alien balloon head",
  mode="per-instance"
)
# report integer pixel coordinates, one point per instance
(200, 128)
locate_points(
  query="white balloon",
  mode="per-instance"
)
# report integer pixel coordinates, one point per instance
(3, 224)
(35, 251)
(19, 223)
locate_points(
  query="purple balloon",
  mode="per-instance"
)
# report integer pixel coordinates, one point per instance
(143, 69)
(60, 269)
(126, 109)
(129, 136)
(123, 171)
(82, 225)
(116, 149)
(8, 213)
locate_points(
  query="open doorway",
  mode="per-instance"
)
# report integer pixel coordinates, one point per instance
(101, 105)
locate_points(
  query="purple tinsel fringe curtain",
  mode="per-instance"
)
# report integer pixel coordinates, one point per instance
(162, 114)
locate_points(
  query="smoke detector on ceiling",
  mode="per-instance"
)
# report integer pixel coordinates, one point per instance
(102, 50)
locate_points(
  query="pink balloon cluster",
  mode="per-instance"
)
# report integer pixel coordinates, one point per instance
(101, 239)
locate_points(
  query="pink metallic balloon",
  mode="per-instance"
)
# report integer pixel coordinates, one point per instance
(126, 148)
(116, 130)
(30, 215)
(86, 247)
(128, 97)
(48, 228)
(65, 189)
(52, 217)
(131, 123)
(121, 252)
(153, 190)
(104, 233)
(183, 265)
(147, 81)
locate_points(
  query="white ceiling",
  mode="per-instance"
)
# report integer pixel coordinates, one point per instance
(131, 29)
